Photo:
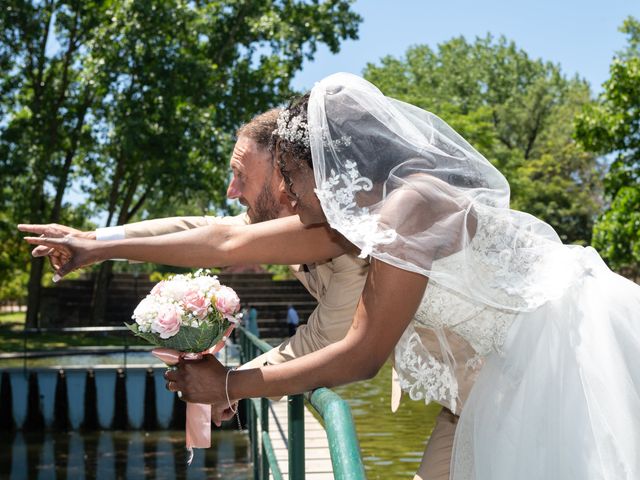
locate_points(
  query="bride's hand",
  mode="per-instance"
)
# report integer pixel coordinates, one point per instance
(70, 252)
(202, 381)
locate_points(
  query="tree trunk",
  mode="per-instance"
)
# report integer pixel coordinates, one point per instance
(34, 288)
(100, 294)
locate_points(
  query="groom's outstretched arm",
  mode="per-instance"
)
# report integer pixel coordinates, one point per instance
(163, 226)
(145, 228)
(283, 241)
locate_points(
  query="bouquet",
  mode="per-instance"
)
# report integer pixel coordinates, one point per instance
(190, 313)
(188, 316)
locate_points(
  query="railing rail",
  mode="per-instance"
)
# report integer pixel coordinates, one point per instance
(333, 410)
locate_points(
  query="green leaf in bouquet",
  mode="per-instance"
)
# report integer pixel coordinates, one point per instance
(188, 339)
(148, 336)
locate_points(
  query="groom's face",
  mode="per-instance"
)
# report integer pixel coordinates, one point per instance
(255, 182)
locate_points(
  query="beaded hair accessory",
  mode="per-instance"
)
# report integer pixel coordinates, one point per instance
(292, 129)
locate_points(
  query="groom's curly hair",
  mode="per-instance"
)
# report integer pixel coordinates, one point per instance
(260, 128)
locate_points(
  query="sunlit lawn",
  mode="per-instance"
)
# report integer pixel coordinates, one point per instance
(12, 319)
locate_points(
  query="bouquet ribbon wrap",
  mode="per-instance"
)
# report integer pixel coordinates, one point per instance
(198, 423)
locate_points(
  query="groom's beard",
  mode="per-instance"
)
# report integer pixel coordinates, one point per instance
(265, 208)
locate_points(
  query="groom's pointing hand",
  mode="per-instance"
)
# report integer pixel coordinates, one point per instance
(53, 230)
(71, 253)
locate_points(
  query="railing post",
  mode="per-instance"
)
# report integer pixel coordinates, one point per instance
(296, 437)
(264, 425)
(343, 443)
(253, 434)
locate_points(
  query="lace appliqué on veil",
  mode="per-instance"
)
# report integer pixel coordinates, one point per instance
(337, 196)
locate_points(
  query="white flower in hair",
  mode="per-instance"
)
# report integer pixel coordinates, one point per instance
(292, 129)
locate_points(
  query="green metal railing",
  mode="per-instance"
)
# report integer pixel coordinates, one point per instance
(333, 410)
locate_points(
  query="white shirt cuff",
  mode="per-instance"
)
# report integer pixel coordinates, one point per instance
(110, 233)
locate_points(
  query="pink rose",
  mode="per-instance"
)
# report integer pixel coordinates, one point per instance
(227, 302)
(197, 304)
(167, 322)
(158, 288)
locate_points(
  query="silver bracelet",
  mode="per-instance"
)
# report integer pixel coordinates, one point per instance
(226, 390)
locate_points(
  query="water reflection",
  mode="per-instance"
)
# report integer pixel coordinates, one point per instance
(391, 443)
(121, 454)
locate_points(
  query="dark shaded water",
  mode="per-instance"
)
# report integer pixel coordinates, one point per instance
(120, 454)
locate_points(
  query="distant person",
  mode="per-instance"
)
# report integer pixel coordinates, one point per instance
(292, 320)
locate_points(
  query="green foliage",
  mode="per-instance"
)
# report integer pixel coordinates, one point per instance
(515, 110)
(612, 126)
(188, 339)
(15, 254)
(279, 272)
(617, 233)
(156, 276)
(178, 78)
(631, 28)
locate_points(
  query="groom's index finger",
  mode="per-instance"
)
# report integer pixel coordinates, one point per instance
(28, 228)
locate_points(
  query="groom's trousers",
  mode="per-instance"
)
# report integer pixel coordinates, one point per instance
(436, 460)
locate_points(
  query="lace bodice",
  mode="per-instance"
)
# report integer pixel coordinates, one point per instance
(431, 372)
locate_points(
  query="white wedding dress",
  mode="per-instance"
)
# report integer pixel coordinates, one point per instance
(558, 394)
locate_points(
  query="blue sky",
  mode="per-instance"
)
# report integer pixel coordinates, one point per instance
(581, 36)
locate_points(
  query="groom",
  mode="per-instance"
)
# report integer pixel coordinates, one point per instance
(336, 283)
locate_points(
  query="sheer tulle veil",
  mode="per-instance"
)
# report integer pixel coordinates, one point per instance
(559, 398)
(404, 187)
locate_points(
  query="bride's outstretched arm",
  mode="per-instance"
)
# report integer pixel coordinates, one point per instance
(388, 303)
(281, 241)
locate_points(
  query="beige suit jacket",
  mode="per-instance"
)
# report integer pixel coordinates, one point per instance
(336, 285)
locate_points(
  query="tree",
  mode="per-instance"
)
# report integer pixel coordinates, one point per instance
(612, 127)
(44, 108)
(139, 100)
(515, 110)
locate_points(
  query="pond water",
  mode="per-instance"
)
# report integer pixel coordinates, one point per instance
(107, 357)
(391, 444)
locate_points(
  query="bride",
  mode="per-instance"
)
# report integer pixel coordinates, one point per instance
(551, 335)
